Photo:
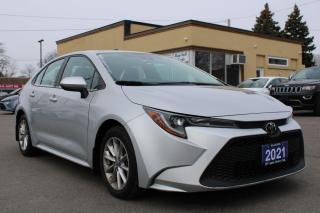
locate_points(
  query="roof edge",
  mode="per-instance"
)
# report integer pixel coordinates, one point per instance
(160, 28)
(106, 27)
(192, 22)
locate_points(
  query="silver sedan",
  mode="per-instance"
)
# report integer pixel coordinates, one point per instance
(149, 121)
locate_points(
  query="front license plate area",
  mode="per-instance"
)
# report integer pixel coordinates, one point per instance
(274, 153)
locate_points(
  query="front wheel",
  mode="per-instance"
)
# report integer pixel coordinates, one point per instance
(118, 164)
(24, 138)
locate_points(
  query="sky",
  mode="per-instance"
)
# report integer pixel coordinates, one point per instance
(24, 22)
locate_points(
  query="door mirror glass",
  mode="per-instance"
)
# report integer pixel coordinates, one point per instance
(75, 84)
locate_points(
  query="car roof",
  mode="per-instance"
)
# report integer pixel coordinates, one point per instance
(90, 52)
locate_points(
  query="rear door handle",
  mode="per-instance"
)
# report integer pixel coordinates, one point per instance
(32, 95)
(53, 98)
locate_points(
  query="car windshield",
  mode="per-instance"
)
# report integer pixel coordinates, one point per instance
(309, 73)
(152, 69)
(254, 83)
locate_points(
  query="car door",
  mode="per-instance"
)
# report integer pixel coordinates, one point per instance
(68, 112)
(39, 96)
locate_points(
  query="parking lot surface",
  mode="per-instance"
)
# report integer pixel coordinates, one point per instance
(46, 183)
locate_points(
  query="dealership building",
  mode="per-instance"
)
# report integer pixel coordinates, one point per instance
(228, 53)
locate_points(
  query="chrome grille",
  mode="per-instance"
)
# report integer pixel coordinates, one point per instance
(293, 89)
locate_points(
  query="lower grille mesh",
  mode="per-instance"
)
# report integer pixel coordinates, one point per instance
(239, 162)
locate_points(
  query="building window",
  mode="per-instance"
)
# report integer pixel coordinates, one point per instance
(202, 60)
(275, 61)
(211, 62)
(218, 63)
(259, 72)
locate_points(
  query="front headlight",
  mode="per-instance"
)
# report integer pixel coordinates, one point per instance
(175, 124)
(308, 88)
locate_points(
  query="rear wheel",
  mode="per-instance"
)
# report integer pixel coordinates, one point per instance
(24, 138)
(118, 164)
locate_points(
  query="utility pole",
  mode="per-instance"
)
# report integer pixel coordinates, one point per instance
(229, 22)
(40, 42)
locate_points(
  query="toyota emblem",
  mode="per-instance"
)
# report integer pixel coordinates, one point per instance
(271, 128)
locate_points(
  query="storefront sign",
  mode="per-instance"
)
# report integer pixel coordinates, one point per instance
(183, 56)
(10, 86)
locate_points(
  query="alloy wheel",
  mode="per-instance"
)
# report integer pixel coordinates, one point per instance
(116, 163)
(23, 135)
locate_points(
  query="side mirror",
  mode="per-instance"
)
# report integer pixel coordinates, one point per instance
(270, 86)
(75, 84)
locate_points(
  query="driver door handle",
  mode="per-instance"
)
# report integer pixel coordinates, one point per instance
(32, 95)
(53, 98)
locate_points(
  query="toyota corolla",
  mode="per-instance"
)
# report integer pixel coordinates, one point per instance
(148, 121)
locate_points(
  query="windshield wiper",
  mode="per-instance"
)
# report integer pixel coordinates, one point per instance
(189, 83)
(139, 83)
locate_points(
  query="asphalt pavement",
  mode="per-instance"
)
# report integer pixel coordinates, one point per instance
(46, 183)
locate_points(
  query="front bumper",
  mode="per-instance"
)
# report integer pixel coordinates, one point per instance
(169, 163)
(297, 101)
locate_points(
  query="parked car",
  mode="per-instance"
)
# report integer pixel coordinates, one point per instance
(302, 92)
(261, 84)
(150, 121)
(14, 92)
(3, 93)
(9, 103)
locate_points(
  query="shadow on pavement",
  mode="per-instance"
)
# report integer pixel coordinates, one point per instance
(196, 201)
(304, 113)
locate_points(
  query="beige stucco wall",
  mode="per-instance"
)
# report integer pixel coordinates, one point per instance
(104, 40)
(255, 48)
(135, 28)
(251, 46)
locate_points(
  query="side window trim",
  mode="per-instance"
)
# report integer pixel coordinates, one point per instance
(38, 74)
(59, 78)
(94, 75)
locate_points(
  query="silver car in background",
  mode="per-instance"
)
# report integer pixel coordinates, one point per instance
(149, 121)
(262, 84)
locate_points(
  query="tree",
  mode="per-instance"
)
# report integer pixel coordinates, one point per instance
(1, 48)
(265, 23)
(7, 65)
(28, 70)
(296, 28)
(48, 57)
(316, 58)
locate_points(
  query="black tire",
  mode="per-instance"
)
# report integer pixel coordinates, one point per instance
(26, 147)
(317, 106)
(131, 188)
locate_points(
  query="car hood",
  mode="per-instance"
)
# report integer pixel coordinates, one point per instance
(10, 98)
(204, 100)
